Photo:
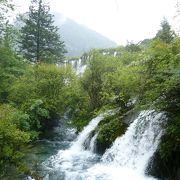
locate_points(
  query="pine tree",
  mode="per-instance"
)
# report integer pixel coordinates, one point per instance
(165, 33)
(40, 41)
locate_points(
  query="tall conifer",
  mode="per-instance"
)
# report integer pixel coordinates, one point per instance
(40, 41)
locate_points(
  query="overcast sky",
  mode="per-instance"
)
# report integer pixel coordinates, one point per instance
(119, 20)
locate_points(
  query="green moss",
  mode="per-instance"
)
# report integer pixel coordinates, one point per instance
(108, 130)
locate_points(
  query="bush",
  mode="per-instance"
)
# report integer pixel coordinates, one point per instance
(11, 67)
(108, 130)
(45, 93)
(12, 138)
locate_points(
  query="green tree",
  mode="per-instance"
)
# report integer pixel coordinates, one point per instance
(92, 80)
(5, 7)
(10, 36)
(108, 78)
(132, 47)
(11, 67)
(45, 93)
(12, 139)
(39, 39)
(165, 33)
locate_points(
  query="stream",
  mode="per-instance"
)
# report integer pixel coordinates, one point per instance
(64, 157)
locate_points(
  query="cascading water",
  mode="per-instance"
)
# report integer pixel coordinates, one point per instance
(92, 145)
(78, 66)
(142, 139)
(126, 159)
(70, 163)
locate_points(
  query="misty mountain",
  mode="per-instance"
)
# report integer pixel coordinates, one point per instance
(79, 38)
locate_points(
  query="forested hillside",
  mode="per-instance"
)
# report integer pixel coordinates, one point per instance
(79, 39)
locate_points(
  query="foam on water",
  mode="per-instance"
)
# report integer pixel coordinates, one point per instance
(126, 159)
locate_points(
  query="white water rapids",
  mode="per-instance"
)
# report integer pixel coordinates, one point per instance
(127, 159)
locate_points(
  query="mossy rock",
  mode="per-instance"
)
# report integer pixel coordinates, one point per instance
(108, 131)
(165, 163)
(164, 168)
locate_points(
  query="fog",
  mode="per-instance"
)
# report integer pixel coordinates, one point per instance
(119, 20)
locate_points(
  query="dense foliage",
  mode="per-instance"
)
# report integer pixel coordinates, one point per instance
(12, 137)
(11, 67)
(5, 6)
(38, 95)
(137, 80)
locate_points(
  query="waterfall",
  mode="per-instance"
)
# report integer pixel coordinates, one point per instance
(78, 144)
(78, 66)
(71, 162)
(93, 143)
(126, 159)
(134, 149)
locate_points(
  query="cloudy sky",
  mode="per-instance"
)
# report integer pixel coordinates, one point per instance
(119, 20)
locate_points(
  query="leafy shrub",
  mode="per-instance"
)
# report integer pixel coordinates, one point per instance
(45, 93)
(108, 130)
(11, 67)
(12, 138)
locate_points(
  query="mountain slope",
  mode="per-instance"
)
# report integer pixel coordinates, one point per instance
(79, 39)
